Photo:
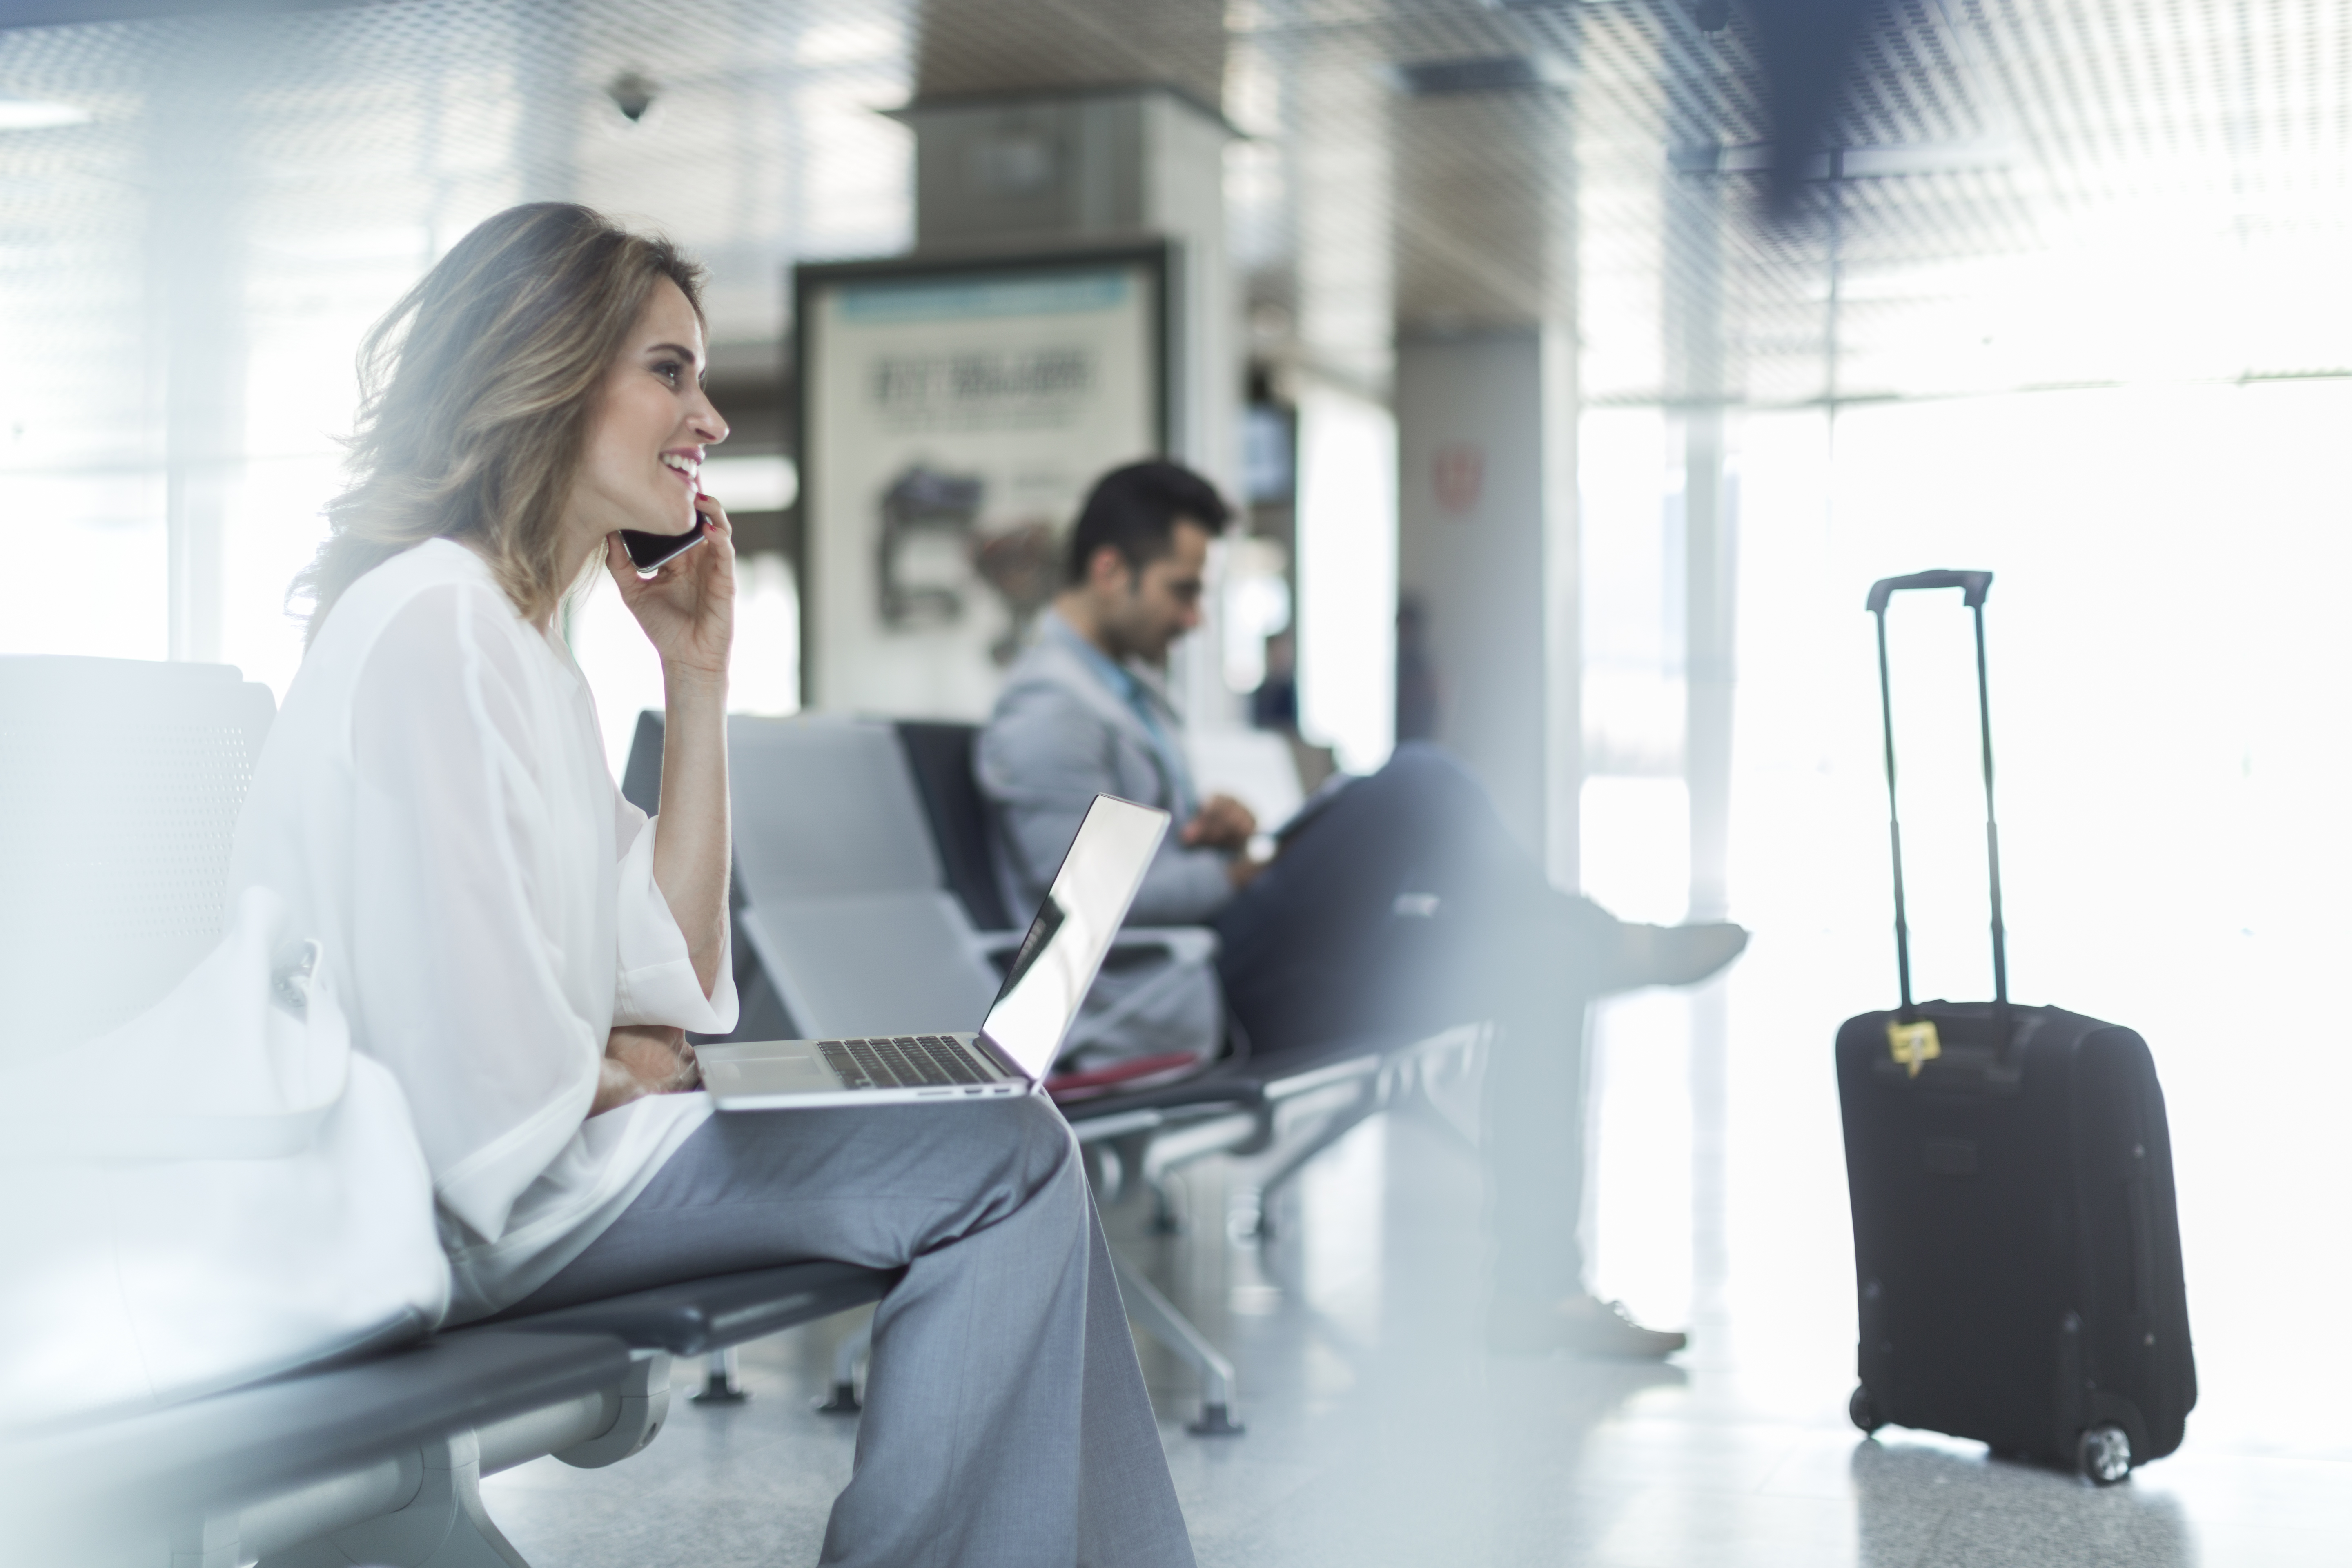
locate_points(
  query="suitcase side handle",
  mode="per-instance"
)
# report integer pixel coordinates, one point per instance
(1974, 587)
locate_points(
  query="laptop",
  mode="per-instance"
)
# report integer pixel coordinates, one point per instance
(1017, 1041)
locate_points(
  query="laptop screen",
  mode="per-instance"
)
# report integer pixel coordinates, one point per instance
(1066, 943)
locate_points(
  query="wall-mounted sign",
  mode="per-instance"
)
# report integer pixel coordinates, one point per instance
(1457, 475)
(952, 419)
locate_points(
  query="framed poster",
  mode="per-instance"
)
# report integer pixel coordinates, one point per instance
(952, 417)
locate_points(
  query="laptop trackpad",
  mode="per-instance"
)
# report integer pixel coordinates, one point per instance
(798, 1073)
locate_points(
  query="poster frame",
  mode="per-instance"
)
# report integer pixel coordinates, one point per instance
(1157, 258)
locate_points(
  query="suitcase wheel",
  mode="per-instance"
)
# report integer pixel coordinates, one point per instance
(1861, 1411)
(2102, 1453)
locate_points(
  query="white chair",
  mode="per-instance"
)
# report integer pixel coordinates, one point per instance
(120, 785)
(121, 781)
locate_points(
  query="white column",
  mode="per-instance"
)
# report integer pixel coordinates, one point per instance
(1563, 577)
(1347, 574)
(1488, 548)
(1470, 553)
(196, 314)
(1709, 586)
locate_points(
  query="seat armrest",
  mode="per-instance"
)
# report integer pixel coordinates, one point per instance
(261, 1440)
(1190, 944)
(1193, 944)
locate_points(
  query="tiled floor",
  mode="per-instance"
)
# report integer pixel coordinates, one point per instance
(1380, 1432)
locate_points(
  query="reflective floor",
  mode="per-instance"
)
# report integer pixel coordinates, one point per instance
(1380, 1431)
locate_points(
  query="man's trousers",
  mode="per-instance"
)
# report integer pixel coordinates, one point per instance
(1402, 906)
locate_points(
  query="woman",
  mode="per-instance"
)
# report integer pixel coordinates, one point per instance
(524, 949)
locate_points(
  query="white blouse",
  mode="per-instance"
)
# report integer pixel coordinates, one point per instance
(434, 805)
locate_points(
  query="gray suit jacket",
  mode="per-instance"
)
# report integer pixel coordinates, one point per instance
(1057, 738)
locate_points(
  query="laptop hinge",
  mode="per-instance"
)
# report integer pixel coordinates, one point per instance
(1000, 1056)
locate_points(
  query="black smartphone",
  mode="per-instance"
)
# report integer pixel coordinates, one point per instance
(648, 550)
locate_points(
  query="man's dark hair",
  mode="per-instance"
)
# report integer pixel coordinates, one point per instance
(1135, 510)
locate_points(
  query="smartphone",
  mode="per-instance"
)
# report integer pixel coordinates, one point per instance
(648, 550)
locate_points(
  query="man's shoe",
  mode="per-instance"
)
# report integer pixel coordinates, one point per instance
(1580, 1325)
(1671, 955)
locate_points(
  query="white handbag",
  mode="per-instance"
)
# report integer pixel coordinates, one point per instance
(219, 1190)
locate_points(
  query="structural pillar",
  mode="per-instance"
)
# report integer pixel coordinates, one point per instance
(195, 294)
(1695, 340)
(1486, 567)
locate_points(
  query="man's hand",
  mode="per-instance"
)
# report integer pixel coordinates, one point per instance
(1242, 871)
(642, 1059)
(1224, 823)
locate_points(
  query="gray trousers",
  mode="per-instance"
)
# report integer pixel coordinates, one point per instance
(1006, 1424)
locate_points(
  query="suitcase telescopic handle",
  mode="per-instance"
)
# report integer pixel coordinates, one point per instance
(1973, 586)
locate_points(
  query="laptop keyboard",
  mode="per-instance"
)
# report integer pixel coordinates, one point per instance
(906, 1061)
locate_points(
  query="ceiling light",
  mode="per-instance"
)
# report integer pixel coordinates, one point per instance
(26, 114)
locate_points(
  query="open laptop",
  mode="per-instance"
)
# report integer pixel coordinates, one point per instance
(1016, 1043)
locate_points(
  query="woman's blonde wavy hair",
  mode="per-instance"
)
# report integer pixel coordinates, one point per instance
(476, 394)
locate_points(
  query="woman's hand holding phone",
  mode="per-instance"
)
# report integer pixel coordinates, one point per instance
(687, 605)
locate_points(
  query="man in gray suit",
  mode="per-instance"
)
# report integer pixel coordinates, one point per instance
(1396, 905)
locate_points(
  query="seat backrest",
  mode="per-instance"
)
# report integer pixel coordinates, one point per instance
(845, 897)
(881, 963)
(640, 780)
(825, 807)
(941, 757)
(120, 782)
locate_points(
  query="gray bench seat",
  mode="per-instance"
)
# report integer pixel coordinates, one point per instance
(149, 1488)
(121, 848)
(379, 1460)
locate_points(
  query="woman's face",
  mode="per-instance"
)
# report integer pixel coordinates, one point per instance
(642, 465)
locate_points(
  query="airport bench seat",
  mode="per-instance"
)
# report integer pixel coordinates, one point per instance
(379, 1460)
(383, 1452)
(869, 902)
(1349, 1080)
(233, 1450)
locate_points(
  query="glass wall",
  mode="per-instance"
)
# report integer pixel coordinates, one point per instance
(200, 217)
(2171, 684)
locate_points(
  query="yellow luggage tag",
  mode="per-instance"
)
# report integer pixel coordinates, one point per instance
(1914, 1045)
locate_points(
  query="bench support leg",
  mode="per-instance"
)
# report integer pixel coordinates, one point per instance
(444, 1527)
(1159, 1318)
(1165, 1220)
(1253, 1215)
(718, 1381)
(842, 1398)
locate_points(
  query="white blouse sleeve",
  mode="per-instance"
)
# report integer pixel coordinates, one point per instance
(656, 979)
(467, 915)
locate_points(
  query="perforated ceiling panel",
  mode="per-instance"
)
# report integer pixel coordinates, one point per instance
(244, 188)
(2017, 191)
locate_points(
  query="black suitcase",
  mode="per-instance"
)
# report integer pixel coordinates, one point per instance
(2017, 1249)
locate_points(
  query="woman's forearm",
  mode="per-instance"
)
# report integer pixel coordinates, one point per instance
(692, 848)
